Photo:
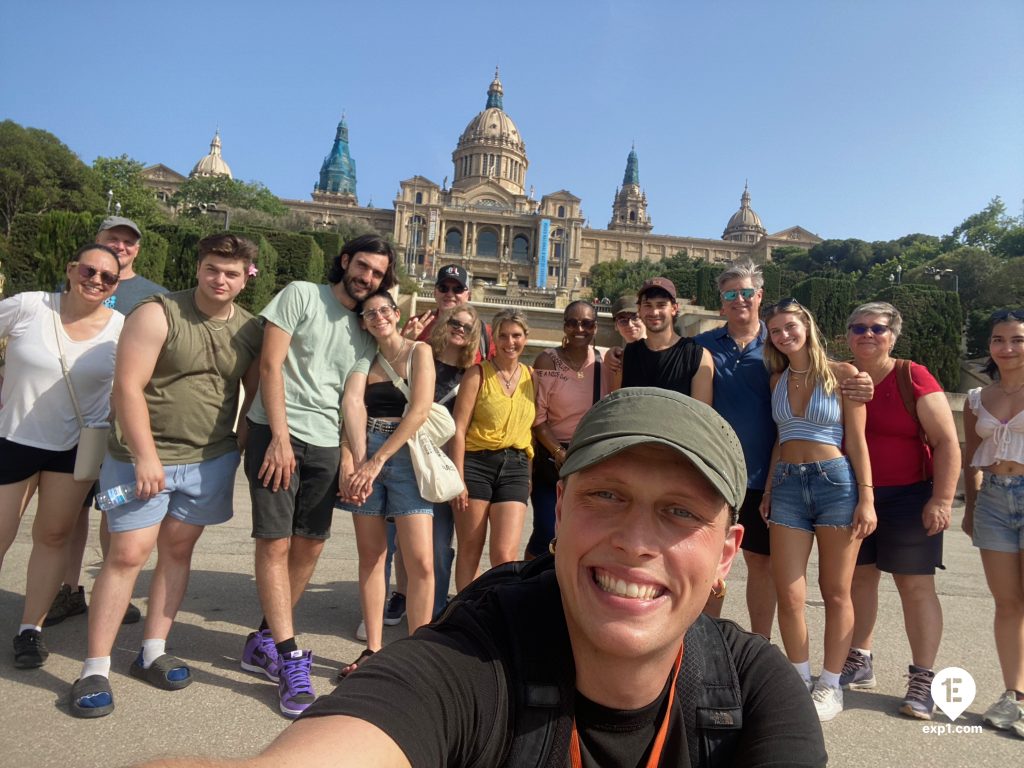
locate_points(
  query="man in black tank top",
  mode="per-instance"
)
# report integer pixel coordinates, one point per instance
(665, 359)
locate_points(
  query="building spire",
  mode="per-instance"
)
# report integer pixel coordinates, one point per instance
(632, 174)
(495, 92)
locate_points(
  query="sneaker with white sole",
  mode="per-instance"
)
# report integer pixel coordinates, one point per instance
(260, 655)
(295, 689)
(918, 702)
(828, 701)
(394, 611)
(361, 631)
(1005, 713)
(857, 674)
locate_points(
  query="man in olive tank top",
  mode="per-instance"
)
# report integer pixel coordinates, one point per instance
(173, 452)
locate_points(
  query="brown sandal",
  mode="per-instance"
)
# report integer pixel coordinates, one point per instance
(349, 669)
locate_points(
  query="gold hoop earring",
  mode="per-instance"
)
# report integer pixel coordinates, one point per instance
(552, 545)
(719, 590)
(565, 341)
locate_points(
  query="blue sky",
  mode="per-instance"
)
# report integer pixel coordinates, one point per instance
(870, 119)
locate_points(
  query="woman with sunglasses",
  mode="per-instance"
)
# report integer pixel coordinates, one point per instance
(39, 428)
(815, 493)
(568, 382)
(492, 448)
(915, 466)
(630, 327)
(378, 480)
(994, 513)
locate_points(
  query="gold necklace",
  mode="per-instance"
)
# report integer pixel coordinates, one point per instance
(401, 348)
(577, 371)
(508, 379)
(796, 384)
(1009, 392)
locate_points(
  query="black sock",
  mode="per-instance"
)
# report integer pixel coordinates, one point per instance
(1019, 695)
(286, 646)
(263, 624)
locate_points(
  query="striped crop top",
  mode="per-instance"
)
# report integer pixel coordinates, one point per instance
(822, 421)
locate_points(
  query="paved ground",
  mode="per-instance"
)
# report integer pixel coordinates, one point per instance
(227, 712)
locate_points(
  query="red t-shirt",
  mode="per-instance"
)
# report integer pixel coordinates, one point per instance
(895, 448)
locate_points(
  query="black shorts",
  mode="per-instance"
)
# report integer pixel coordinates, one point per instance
(900, 543)
(306, 508)
(497, 476)
(19, 462)
(755, 529)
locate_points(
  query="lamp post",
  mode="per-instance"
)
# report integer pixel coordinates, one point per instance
(938, 273)
(110, 199)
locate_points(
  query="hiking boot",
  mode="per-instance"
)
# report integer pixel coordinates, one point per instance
(30, 650)
(1005, 713)
(394, 611)
(65, 605)
(132, 614)
(294, 688)
(260, 655)
(857, 673)
(828, 701)
(918, 702)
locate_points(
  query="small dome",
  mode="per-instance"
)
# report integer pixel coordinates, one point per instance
(213, 164)
(744, 225)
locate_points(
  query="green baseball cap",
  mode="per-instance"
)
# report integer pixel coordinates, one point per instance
(641, 415)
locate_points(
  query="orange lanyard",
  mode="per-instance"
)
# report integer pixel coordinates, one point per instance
(659, 740)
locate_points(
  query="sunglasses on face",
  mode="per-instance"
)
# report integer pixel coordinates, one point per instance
(1007, 314)
(746, 293)
(455, 325)
(586, 325)
(624, 319)
(859, 329)
(382, 312)
(447, 288)
(86, 272)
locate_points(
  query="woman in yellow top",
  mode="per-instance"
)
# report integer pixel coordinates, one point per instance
(492, 449)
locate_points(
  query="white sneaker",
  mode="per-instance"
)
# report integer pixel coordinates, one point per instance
(1005, 712)
(828, 701)
(361, 631)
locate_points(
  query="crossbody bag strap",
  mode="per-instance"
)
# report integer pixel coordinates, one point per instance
(454, 391)
(400, 385)
(64, 365)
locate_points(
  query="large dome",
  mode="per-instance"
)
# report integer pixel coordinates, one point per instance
(744, 225)
(213, 164)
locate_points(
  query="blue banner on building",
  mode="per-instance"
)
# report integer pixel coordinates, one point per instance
(543, 242)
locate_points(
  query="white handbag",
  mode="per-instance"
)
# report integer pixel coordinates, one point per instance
(437, 478)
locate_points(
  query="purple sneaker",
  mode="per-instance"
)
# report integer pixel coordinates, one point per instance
(260, 655)
(295, 688)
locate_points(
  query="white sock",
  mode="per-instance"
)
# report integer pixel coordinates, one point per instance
(862, 652)
(97, 666)
(831, 679)
(152, 650)
(23, 627)
(804, 668)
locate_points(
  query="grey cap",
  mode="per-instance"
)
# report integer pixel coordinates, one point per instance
(625, 303)
(639, 415)
(120, 221)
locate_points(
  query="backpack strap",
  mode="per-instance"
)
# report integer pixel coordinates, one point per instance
(709, 695)
(906, 387)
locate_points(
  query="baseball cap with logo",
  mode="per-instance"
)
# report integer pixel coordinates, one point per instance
(453, 272)
(119, 221)
(641, 415)
(659, 283)
(625, 303)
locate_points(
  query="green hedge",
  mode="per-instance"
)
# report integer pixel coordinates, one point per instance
(261, 289)
(330, 243)
(298, 256)
(828, 300)
(707, 285)
(932, 331)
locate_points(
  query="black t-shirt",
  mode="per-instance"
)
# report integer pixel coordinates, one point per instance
(444, 695)
(671, 368)
(446, 377)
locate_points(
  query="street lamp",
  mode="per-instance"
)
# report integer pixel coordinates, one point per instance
(938, 273)
(110, 198)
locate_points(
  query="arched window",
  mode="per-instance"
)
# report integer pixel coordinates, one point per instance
(557, 237)
(453, 242)
(419, 198)
(487, 243)
(632, 216)
(521, 249)
(561, 211)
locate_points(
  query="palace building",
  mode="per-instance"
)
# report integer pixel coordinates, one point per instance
(488, 220)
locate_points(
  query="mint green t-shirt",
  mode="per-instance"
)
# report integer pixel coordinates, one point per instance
(327, 344)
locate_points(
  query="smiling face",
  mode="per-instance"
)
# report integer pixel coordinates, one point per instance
(449, 293)
(363, 273)
(125, 243)
(740, 312)
(657, 311)
(580, 326)
(636, 561)
(1006, 346)
(459, 326)
(869, 346)
(379, 317)
(93, 288)
(509, 340)
(787, 332)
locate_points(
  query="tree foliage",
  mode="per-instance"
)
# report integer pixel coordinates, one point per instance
(611, 279)
(38, 174)
(123, 177)
(199, 192)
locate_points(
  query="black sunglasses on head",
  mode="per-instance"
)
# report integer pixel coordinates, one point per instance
(780, 306)
(1007, 314)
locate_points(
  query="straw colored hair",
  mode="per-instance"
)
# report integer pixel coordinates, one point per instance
(439, 334)
(820, 371)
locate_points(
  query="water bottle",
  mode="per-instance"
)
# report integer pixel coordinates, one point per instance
(116, 496)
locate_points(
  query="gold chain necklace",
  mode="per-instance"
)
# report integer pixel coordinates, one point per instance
(574, 369)
(792, 370)
(398, 354)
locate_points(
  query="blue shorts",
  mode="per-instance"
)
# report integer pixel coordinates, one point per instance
(197, 494)
(395, 492)
(999, 513)
(901, 544)
(818, 494)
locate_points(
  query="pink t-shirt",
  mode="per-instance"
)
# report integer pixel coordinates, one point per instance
(895, 448)
(562, 396)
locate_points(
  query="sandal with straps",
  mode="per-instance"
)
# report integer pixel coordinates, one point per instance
(350, 668)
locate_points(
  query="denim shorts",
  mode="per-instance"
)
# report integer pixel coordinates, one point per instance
(395, 492)
(197, 494)
(999, 513)
(818, 494)
(497, 476)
